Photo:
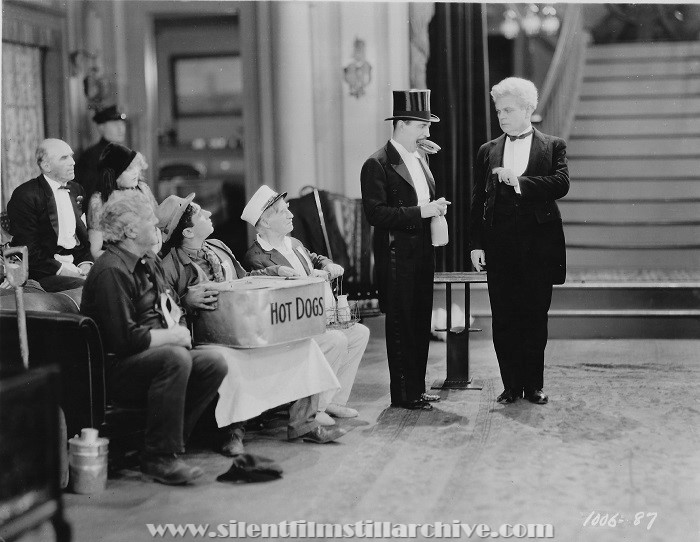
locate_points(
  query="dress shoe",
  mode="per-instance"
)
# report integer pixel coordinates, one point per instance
(341, 411)
(416, 404)
(324, 419)
(508, 396)
(430, 397)
(168, 469)
(536, 396)
(323, 435)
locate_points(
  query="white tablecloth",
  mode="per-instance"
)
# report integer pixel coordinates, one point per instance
(259, 379)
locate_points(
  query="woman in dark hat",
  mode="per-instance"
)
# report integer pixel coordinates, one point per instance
(120, 168)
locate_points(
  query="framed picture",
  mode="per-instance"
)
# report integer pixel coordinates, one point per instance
(207, 85)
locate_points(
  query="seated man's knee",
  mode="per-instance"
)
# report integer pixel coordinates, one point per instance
(175, 358)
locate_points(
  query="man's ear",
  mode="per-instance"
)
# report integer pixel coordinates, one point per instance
(130, 232)
(187, 232)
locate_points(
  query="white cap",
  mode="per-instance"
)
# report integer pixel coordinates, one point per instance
(264, 198)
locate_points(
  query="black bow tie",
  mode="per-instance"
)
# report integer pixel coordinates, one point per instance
(64, 187)
(521, 136)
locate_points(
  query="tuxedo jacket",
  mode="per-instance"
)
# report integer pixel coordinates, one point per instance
(259, 258)
(545, 180)
(390, 203)
(34, 222)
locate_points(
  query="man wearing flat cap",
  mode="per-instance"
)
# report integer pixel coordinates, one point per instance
(111, 124)
(398, 196)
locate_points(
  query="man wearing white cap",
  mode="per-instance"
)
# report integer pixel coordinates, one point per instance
(270, 215)
(398, 197)
(295, 373)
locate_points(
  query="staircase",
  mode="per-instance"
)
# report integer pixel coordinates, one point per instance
(634, 159)
(632, 215)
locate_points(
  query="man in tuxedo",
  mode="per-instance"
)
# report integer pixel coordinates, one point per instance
(398, 194)
(516, 233)
(111, 125)
(46, 215)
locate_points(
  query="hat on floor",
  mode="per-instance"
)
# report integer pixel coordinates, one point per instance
(116, 157)
(169, 213)
(412, 105)
(264, 198)
(247, 468)
(107, 114)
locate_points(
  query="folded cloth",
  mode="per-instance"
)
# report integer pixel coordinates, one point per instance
(248, 468)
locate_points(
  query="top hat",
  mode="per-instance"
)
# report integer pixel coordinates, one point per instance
(169, 213)
(412, 105)
(264, 198)
(107, 114)
(116, 157)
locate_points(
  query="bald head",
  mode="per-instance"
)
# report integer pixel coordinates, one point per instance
(55, 159)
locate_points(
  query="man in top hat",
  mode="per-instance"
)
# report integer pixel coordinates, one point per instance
(516, 233)
(270, 215)
(46, 215)
(398, 196)
(111, 124)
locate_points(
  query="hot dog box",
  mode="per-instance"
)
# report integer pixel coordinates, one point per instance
(262, 311)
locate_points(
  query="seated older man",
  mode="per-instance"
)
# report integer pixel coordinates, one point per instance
(46, 215)
(295, 372)
(154, 362)
(270, 215)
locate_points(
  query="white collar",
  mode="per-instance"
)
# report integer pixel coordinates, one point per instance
(402, 150)
(267, 247)
(53, 184)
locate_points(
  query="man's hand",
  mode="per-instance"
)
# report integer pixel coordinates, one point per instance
(321, 273)
(335, 270)
(200, 297)
(70, 270)
(285, 271)
(508, 177)
(434, 208)
(85, 268)
(174, 336)
(478, 259)
(180, 336)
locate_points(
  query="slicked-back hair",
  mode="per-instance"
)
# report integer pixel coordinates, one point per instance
(523, 90)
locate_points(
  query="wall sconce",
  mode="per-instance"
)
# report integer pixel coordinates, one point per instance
(96, 87)
(532, 23)
(358, 73)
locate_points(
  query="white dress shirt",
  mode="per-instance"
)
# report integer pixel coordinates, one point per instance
(288, 252)
(517, 154)
(412, 161)
(66, 222)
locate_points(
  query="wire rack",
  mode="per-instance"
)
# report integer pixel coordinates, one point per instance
(341, 314)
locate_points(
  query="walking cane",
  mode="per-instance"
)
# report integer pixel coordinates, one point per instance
(16, 273)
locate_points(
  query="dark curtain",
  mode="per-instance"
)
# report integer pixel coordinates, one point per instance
(457, 74)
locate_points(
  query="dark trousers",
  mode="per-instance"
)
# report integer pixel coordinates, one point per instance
(408, 311)
(58, 283)
(520, 292)
(175, 385)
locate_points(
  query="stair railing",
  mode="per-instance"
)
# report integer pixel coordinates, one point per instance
(560, 91)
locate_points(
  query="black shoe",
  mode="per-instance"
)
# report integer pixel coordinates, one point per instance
(430, 397)
(536, 396)
(323, 435)
(416, 404)
(168, 469)
(508, 396)
(233, 442)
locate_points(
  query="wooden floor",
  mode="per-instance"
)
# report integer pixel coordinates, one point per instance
(619, 436)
